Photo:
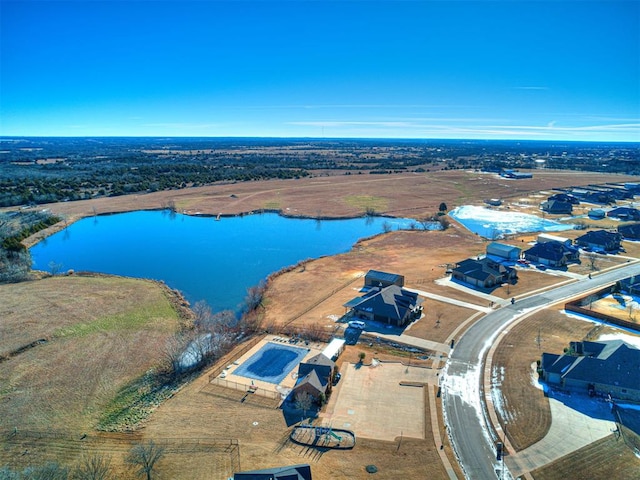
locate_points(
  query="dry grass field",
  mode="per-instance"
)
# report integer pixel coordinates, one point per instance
(330, 194)
(65, 383)
(99, 333)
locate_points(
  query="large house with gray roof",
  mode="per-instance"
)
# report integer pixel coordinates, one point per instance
(553, 254)
(598, 368)
(601, 240)
(392, 305)
(484, 272)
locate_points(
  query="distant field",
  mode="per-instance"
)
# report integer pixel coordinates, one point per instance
(98, 334)
(412, 195)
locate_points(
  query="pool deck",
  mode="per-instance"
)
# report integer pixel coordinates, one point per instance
(288, 382)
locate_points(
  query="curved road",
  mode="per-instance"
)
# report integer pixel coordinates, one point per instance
(463, 399)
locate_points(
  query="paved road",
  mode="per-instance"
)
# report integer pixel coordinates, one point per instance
(462, 391)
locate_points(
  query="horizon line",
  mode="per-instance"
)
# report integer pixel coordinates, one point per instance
(315, 138)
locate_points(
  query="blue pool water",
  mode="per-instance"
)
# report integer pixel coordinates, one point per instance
(493, 224)
(271, 363)
(205, 259)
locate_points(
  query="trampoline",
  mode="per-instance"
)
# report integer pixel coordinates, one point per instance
(271, 363)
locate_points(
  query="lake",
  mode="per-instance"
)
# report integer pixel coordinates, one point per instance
(494, 224)
(205, 259)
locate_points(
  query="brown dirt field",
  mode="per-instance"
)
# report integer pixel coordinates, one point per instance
(452, 317)
(97, 341)
(527, 408)
(605, 459)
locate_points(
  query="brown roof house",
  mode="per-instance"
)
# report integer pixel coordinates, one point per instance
(598, 368)
(314, 377)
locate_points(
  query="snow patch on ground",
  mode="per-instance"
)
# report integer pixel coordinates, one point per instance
(496, 223)
(535, 379)
(627, 338)
(497, 377)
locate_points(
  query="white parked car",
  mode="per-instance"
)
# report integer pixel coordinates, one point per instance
(357, 324)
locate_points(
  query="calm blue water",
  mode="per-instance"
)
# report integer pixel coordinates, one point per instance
(272, 362)
(205, 259)
(493, 224)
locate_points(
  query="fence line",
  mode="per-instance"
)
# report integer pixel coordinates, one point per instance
(263, 392)
(322, 299)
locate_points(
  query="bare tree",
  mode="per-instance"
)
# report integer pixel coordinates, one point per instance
(590, 300)
(594, 261)
(254, 296)
(93, 467)
(174, 353)
(386, 227)
(304, 401)
(439, 316)
(54, 267)
(144, 457)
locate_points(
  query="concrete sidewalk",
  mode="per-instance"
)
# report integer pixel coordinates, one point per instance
(460, 303)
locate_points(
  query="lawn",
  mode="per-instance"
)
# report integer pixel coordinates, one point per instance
(605, 459)
(524, 405)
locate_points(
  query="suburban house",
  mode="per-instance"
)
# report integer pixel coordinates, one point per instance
(393, 305)
(624, 213)
(553, 254)
(507, 252)
(484, 272)
(598, 368)
(315, 377)
(374, 278)
(292, 472)
(545, 237)
(596, 214)
(630, 285)
(600, 240)
(564, 197)
(556, 207)
(630, 231)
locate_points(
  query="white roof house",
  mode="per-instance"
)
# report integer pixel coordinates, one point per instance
(334, 349)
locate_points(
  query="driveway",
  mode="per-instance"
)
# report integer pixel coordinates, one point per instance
(577, 421)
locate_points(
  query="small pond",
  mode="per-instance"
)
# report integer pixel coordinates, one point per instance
(494, 224)
(204, 258)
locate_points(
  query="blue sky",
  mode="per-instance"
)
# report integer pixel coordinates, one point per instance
(510, 69)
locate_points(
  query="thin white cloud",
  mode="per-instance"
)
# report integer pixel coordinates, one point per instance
(181, 125)
(532, 87)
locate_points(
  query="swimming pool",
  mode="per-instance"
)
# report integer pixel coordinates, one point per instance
(272, 362)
